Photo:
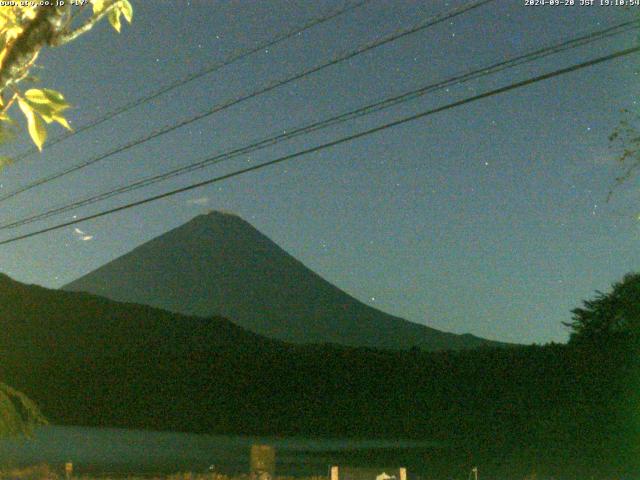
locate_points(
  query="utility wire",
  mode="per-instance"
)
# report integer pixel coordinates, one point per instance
(366, 110)
(239, 54)
(217, 108)
(333, 143)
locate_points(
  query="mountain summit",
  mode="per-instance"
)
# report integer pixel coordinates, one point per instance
(219, 264)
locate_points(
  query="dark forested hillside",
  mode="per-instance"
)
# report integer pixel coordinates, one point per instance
(90, 361)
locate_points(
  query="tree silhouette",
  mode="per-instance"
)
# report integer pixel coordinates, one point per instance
(610, 317)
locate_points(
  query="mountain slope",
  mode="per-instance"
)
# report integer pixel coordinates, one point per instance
(219, 264)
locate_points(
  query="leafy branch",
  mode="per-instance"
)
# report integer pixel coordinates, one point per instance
(112, 9)
(24, 32)
(626, 140)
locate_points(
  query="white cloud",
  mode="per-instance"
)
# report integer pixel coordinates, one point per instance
(82, 236)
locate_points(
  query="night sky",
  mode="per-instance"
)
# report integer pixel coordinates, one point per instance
(490, 218)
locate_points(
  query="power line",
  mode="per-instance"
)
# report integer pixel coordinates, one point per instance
(217, 108)
(333, 143)
(366, 110)
(240, 54)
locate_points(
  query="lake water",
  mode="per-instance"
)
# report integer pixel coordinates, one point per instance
(102, 451)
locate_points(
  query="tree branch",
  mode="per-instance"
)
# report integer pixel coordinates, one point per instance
(22, 52)
(66, 37)
(9, 103)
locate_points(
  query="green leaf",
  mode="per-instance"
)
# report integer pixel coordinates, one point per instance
(36, 128)
(62, 121)
(35, 95)
(49, 111)
(114, 18)
(127, 10)
(51, 98)
(46, 110)
(98, 6)
(56, 98)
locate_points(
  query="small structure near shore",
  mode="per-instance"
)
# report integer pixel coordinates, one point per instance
(357, 473)
(262, 465)
(68, 469)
